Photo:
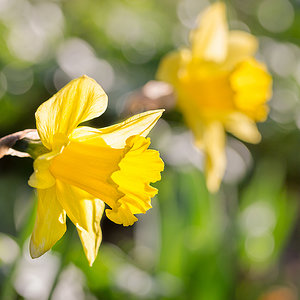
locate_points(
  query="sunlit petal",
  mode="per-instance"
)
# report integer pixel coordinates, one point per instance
(89, 167)
(42, 177)
(209, 39)
(80, 100)
(242, 127)
(138, 169)
(50, 224)
(214, 149)
(85, 211)
(241, 45)
(169, 67)
(252, 86)
(115, 136)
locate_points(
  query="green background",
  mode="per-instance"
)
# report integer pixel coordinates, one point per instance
(242, 243)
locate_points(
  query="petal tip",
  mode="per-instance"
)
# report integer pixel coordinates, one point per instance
(219, 8)
(255, 139)
(36, 252)
(213, 187)
(91, 263)
(156, 111)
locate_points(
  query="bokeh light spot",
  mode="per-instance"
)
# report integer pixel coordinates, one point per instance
(76, 58)
(3, 84)
(239, 160)
(258, 219)
(188, 11)
(259, 248)
(134, 280)
(276, 15)
(282, 59)
(9, 249)
(19, 80)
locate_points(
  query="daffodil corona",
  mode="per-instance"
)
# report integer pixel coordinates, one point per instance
(84, 167)
(219, 86)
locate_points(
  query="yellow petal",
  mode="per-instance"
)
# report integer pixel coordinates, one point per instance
(42, 177)
(80, 100)
(241, 45)
(214, 149)
(170, 65)
(89, 167)
(242, 127)
(252, 86)
(138, 168)
(50, 223)
(85, 211)
(115, 136)
(209, 40)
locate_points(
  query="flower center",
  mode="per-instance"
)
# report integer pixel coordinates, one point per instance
(208, 93)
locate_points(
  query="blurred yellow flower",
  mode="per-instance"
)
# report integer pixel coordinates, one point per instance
(219, 86)
(86, 167)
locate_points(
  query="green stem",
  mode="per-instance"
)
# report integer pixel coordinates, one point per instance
(34, 148)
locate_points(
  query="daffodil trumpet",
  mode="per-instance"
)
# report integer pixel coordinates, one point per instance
(219, 86)
(81, 168)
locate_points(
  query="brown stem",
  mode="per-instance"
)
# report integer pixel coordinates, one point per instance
(7, 142)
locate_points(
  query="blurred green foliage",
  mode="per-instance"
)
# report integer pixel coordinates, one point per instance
(239, 244)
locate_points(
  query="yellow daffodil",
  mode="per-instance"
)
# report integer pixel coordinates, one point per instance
(219, 86)
(86, 167)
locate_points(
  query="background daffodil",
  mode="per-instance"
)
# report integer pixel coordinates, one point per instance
(83, 167)
(220, 87)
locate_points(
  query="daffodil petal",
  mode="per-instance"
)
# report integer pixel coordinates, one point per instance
(80, 100)
(85, 211)
(137, 169)
(42, 177)
(50, 223)
(89, 166)
(242, 127)
(115, 136)
(214, 149)
(253, 88)
(209, 40)
(170, 65)
(241, 45)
